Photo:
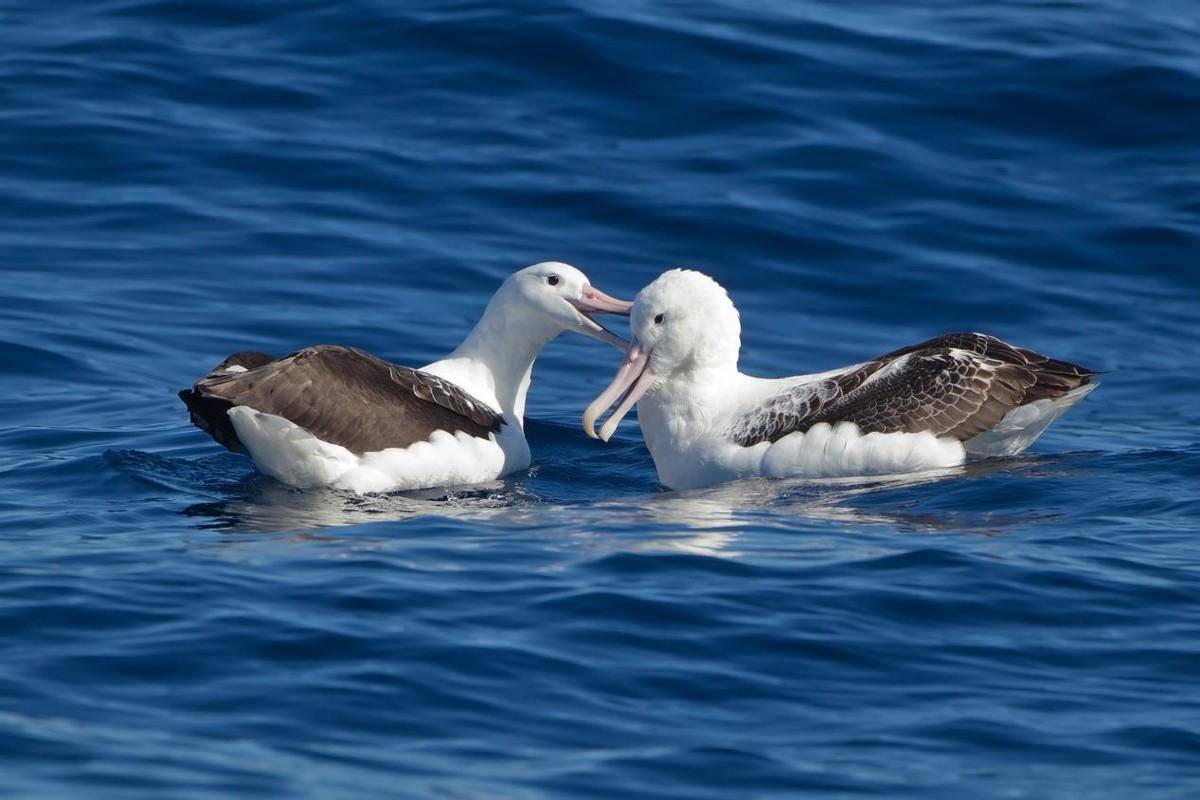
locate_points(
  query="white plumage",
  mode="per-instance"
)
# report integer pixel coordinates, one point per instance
(920, 408)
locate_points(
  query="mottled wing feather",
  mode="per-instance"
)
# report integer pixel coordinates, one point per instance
(788, 411)
(350, 398)
(946, 391)
(956, 385)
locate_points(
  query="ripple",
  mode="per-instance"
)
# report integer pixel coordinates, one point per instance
(186, 179)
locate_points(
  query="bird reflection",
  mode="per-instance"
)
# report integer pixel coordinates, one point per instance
(269, 506)
(708, 521)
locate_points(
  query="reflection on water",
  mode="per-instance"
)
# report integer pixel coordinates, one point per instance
(274, 507)
(701, 521)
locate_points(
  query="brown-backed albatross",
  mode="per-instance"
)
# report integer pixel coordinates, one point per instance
(334, 416)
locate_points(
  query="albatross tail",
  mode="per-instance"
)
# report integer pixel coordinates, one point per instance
(1024, 424)
(211, 414)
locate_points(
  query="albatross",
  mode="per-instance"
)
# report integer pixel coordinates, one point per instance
(335, 416)
(926, 406)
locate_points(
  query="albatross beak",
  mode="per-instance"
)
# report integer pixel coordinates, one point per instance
(632, 380)
(594, 301)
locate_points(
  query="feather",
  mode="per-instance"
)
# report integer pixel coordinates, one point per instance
(341, 395)
(957, 385)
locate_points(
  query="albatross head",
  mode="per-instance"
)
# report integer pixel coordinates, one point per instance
(567, 300)
(682, 322)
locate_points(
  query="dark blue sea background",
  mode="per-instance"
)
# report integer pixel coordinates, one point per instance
(181, 179)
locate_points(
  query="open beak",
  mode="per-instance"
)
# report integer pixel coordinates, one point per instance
(593, 301)
(632, 380)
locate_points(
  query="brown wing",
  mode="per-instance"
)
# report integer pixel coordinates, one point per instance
(343, 396)
(957, 385)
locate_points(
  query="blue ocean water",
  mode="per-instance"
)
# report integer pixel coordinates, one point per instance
(180, 179)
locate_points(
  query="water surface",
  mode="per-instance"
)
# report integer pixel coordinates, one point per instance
(179, 180)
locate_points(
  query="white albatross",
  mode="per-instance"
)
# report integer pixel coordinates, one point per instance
(927, 406)
(332, 416)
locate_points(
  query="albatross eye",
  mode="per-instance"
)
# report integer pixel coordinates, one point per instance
(552, 280)
(658, 320)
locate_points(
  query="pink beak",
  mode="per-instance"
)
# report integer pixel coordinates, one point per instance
(597, 301)
(593, 301)
(632, 380)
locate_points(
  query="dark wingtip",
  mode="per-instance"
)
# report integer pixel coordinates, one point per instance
(209, 415)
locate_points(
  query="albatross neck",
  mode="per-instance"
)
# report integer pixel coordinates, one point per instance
(501, 349)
